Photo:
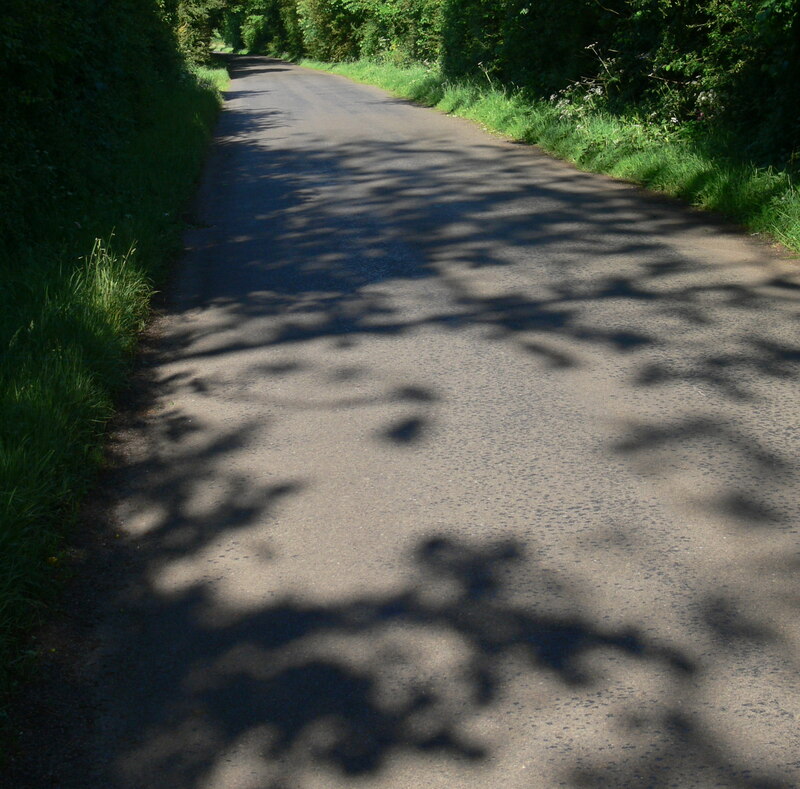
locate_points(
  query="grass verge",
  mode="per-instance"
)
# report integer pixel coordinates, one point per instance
(655, 156)
(72, 301)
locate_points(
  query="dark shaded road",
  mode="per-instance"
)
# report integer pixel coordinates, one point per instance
(462, 469)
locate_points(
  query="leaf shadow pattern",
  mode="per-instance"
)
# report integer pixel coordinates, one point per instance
(303, 686)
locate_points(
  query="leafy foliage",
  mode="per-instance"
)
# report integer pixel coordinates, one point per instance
(405, 30)
(194, 22)
(76, 74)
(79, 74)
(731, 63)
(262, 26)
(330, 28)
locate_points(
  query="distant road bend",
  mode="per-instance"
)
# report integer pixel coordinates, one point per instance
(463, 469)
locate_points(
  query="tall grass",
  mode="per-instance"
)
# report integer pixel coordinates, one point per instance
(703, 171)
(73, 297)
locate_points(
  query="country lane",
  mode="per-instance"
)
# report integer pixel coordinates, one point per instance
(462, 469)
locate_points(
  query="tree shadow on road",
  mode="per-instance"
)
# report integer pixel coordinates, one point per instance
(349, 689)
(342, 688)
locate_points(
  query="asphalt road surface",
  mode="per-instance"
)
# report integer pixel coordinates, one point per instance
(462, 468)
